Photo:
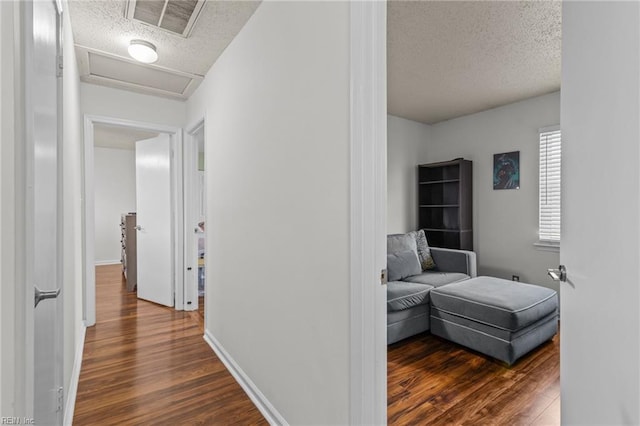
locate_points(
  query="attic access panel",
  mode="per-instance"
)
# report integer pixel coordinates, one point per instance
(117, 70)
(176, 16)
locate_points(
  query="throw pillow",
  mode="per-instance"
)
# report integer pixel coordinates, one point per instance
(401, 242)
(402, 265)
(424, 253)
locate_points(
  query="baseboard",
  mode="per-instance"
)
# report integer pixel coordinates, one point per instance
(73, 382)
(259, 400)
(108, 262)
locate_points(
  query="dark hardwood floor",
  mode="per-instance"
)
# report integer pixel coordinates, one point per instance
(148, 364)
(201, 307)
(436, 382)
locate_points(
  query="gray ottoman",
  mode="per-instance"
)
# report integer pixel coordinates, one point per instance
(499, 318)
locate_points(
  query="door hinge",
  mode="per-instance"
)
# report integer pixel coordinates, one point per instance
(59, 398)
(59, 66)
(383, 277)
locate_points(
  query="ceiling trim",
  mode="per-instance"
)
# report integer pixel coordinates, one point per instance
(82, 54)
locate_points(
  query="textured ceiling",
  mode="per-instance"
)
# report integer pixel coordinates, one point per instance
(100, 26)
(448, 59)
(107, 136)
(445, 58)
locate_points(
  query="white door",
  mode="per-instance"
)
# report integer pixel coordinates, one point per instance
(153, 211)
(600, 315)
(43, 195)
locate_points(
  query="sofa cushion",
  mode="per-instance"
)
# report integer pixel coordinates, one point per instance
(403, 295)
(424, 253)
(402, 264)
(497, 302)
(401, 242)
(437, 279)
(408, 322)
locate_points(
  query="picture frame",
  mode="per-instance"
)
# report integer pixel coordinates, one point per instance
(506, 170)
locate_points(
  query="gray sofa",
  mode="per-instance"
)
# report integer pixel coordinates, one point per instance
(408, 308)
(437, 289)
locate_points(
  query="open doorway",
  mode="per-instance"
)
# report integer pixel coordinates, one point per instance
(195, 213)
(470, 84)
(132, 170)
(133, 196)
(115, 198)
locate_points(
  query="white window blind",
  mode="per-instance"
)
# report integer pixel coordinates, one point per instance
(550, 156)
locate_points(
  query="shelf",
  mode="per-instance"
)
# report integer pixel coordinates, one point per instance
(444, 203)
(441, 171)
(433, 182)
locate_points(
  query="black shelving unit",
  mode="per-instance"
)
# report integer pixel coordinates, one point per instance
(445, 203)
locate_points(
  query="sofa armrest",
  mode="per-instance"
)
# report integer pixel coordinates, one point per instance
(450, 260)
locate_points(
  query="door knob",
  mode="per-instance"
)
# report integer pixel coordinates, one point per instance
(138, 227)
(559, 274)
(41, 295)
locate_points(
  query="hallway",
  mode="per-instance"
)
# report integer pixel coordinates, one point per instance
(148, 364)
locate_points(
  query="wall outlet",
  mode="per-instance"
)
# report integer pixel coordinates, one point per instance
(515, 277)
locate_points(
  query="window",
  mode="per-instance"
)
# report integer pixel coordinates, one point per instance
(549, 219)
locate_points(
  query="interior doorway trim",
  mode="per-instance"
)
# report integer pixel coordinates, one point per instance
(88, 205)
(368, 117)
(190, 153)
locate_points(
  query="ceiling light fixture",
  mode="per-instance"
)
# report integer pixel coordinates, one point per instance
(143, 51)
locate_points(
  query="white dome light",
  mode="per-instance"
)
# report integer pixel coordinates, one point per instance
(143, 51)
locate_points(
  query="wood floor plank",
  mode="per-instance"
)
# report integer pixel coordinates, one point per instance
(436, 382)
(550, 416)
(148, 364)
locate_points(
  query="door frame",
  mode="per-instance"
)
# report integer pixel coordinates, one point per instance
(190, 152)
(368, 183)
(88, 206)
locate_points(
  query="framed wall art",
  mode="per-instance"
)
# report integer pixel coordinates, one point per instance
(506, 170)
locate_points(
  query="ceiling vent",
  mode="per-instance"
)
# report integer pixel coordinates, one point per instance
(175, 16)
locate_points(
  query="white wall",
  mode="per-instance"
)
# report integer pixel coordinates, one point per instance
(407, 146)
(116, 103)
(72, 214)
(600, 345)
(505, 222)
(115, 194)
(277, 155)
(8, 297)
